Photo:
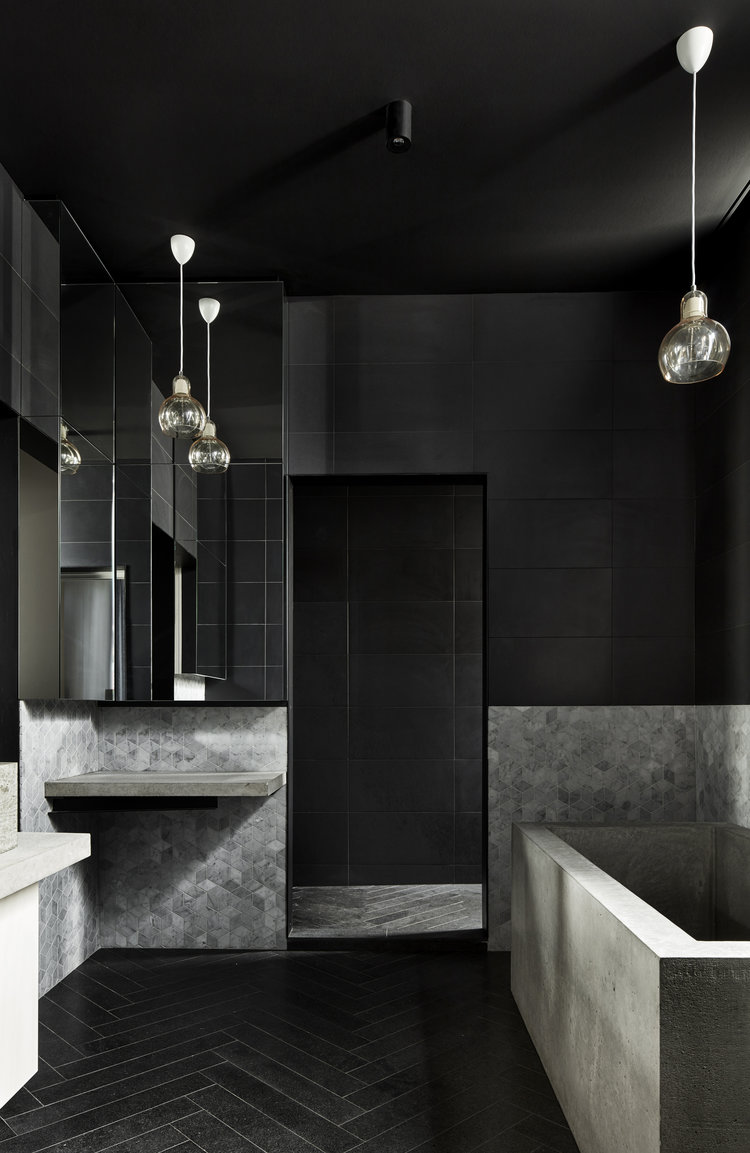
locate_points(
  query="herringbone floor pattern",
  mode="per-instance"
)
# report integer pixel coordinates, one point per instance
(285, 1053)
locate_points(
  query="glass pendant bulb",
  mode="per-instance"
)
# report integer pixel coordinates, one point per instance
(208, 454)
(697, 348)
(70, 457)
(181, 415)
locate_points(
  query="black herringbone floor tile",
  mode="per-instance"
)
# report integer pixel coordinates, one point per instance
(221, 1052)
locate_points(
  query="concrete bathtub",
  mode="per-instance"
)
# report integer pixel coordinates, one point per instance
(630, 965)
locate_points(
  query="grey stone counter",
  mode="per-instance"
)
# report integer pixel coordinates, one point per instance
(156, 783)
(38, 855)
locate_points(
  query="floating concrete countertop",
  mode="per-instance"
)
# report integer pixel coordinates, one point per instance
(158, 783)
(38, 855)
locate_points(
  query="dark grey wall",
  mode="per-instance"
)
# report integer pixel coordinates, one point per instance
(588, 456)
(387, 684)
(722, 541)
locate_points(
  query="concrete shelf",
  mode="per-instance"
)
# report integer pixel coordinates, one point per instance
(158, 784)
(38, 855)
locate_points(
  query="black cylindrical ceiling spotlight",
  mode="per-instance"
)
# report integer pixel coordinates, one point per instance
(398, 126)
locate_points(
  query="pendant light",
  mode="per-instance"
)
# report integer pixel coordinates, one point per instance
(70, 457)
(181, 415)
(697, 348)
(208, 454)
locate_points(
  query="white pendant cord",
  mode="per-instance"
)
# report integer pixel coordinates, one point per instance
(181, 326)
(208, 371)
(695, 87)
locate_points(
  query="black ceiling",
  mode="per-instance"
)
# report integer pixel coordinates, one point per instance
(551, 139)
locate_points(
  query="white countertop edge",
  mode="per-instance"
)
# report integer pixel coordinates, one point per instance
(163, 783)
(38, 855)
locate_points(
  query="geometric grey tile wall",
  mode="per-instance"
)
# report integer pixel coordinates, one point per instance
(195, 879)
(191, 737)
(582, 763)
(57, 739)
(723, 763)
(203, 878)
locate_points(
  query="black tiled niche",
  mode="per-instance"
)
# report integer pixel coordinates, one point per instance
(387, 683)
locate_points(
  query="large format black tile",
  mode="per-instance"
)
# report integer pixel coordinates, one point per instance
(653, 602)
(653, 670)
(320, 627)
(643, 399)
(409, 786)
(403, 398)
(359, 453)
(319, 732)
(403, 329)
(400, 838)
(417, 519)
(550, 602)
(405, 681)
(650, 463)
(319, 574)
(535, 671)
(549, 533)
(319, 518)
(400, 575)
(320, 838)
(403, 627)
(534, 394)
(310, 398)
(541, 465)
(563, 322)
(651, 532)
(320, 679)
(388, 733)
(310, 326)
(320, 786)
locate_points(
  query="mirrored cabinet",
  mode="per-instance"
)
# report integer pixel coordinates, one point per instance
(133, 568)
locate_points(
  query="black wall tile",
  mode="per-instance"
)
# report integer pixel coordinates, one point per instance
(11, 221)
(469, 729)
(319, 574)
(722, 666)
(534, 394)
(651, 463)
(319, 627)
(536, 671)
(643, 399)
(401, 874)
(401, 520)
(400, 838)
(385, 733)
(246, 644)
(319, 733)
(562, 322)
(401, 575)
(403, 329)
(321, 786)
(403, 452)
(549, 533)
(469, 839)
(402, 398)
(310, 325)
(469, 574)
(400, 786)
(247, 560)
(310, 403)
(641, 320)
(469, 682)
(243, 482)
(320, 519)
(653, 670)
(469, 786)
(543, 465)
(653, 602)
(410, 627)
(469, 627)
(320, 679)
(310, 454)
(246, 520)
(550, 602)
(320, 838)
(652, 532)
(246, 603)
(400, 681)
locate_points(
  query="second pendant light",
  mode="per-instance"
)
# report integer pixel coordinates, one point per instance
(208, 454)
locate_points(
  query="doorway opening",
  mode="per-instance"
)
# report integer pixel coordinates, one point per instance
(387, 708)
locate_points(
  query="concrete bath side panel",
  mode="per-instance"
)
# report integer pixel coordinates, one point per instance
(732, 885)
(588, 989)
(705, 1055)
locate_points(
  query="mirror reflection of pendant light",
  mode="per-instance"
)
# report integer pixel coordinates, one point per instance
(208, 454)
(181, 415)
(70, 457)
(697, 348)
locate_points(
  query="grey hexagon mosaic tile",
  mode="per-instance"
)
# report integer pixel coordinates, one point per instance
(205, 737)
(57, 739)
(211, 879)
(723, 763)
(599, 763)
